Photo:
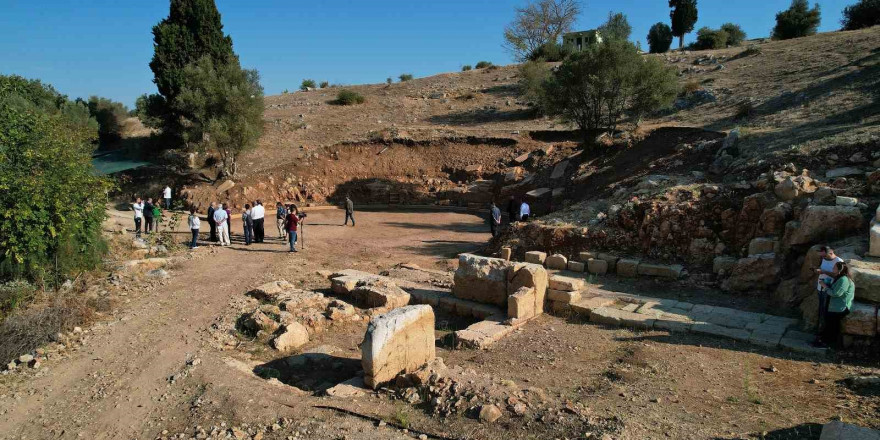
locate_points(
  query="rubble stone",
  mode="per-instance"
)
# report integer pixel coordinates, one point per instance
(757, 272)
(819, 223)
(270, 291)
(762, 245)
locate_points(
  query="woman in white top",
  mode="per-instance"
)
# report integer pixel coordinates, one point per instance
(138, 207)
(826, 274)
(194, 224)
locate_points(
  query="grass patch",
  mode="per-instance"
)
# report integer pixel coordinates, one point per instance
(28, 328)
(400, 416)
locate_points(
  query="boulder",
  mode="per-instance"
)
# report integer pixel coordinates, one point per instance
(259, 321)
(861, 321)
(490, 413)
(867, 283)
(481, 279)
(536, 257)
(756, 272)
(397, 342)
(291, 336)
(874, 246)
(762, 245)
(521, 305)
(824, 196)
(820, 223)
(837, 430)
(529, 275)
(225, 186)
(773, 220)
(557, 262)
(786, 190)
(559, 170)
(269, 292)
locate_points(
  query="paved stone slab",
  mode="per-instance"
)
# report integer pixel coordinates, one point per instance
(585, 306)
(717, 330)
(672, 325)
(483, 334)
(801, 346)
(765, 339)
(684, 305)
(564, 296)
(727, 321)
(615, 317)
(630, 307)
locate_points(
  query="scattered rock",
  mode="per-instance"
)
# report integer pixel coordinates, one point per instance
(490, 413)
(291, 336)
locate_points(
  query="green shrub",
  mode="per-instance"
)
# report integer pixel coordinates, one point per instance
(14, 294)
(865, 13)
(710, 39)
(308, 84)
(405, 77)
(109, 115)
(466, 67)
(533, 76)
(797, 21)
(691, 87)
(735, 34)
(389, 80)
(325, 84)
(551, 52)
(348, 97)
(659, 38)
(483, 64)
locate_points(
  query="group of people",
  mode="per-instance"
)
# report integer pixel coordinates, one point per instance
(253, 220)
(517, 211)
(836, 291)
(148, 214)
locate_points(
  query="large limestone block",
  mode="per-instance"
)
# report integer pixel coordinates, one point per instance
(569, 284)
(874, 249)
(762, 245)
(838, 430)
(481, 279)
(862, 320)
(292, 336)
(598, 267)
(557, 262)
(819, 223)
(270, 291)
(521, 305)
(576, 266)
(397, 342)
(563, 296)
(536, 257)
(529, 275)
(867, 283)
(757, 272)
(660, 270)
(610, 259)
(627, 267)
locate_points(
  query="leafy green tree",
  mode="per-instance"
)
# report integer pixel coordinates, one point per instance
(52, 202)
(152, 110)
(191, 31)
(797, 21)
(109, 115)
(308, 84)
(616, 27)
(550, 52)
(711, 39)
(865, 13)
(533, 77)
(538, 23)
(735, 34)
(684, 17)
(405, 77)
(596, 87)
(225, 104)
(659, 38)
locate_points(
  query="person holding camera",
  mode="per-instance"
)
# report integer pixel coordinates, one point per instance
(291, 224)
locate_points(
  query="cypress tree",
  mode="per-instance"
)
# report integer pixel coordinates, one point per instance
(684, 17)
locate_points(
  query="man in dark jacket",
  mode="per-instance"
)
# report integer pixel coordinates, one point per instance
(211, 221)
(148, 216)
(349, 211)
(512, 210)
(494, 219)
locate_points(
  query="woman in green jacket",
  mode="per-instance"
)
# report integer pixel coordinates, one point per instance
(840, 297)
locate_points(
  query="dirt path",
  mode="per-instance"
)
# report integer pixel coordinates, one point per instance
(118, 385)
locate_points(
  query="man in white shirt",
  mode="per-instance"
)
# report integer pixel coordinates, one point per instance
(524, 212)
(138, 207)
(258, 214)
(222, 221)
(167, 195)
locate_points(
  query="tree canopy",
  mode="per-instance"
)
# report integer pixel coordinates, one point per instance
(616, 27)
(684, 17)
(797, 21)
(539, 23)
(659, 38)
(865, 13)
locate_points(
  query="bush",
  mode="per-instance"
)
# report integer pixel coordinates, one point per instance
(865, 13)
(325, 84)
(466, 67)
(710, 39)
(405, 77)
(13, 294)
(109, 115)
(596, 87)
(659, 38)
(533, 76)
(551, 52)
(483, 64)
(308, 84)
(797, 21)
(389, 80)
(348, 97)
(735, 34)
(691, 87)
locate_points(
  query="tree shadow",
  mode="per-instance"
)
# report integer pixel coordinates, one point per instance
(482, 116)
(452, 227)
(503, 91)
(804, 431)
(445, 248)
(312, 372)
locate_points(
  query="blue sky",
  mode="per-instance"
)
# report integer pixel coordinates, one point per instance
(103, 47)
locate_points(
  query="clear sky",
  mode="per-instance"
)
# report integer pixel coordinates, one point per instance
(103, 47)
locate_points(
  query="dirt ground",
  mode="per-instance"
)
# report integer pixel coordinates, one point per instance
(154, 370)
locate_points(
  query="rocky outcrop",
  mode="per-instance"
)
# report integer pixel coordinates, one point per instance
(400, 341)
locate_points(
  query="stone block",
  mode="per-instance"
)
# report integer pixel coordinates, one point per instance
(529, 275)
(397, 342)
(586, 256)
(380, 293)
(867, 283)
(660, 270)
(521, 305)
(536, 257)
(482, 334)
(765, 339)
(343, 285)
(723, 264)
(837, 430)
(585, 306)
(556, 262)
(269, 292)
(846, 201)
(862, 320)
(290, 337)
(481, 279)
(576, 266)
(596, 266)
(672, 325)
(763, 245)
(874, 247)
(801, 346)
(559, 282)
(563, 296)
(610, 259)
(506, 252)
(627, 267)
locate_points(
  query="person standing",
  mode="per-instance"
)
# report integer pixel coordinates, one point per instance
(280, 216)
(247, 223)
(194, 224)
(148, 216)
(825, 273)
(512, 210)
(841, 291)
(167, 195)
(494, 219)
(228, 219)
(211, 209)
(157, 216)
(291, 223)
(349, 211)
(258, 215)
(221, 218)
(138, 207)
(525, 211)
